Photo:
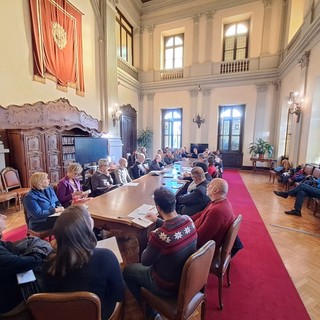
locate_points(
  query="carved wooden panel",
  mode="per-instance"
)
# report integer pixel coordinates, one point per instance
(54, 176)
(34, 164)
(33, 143)
(128, 129)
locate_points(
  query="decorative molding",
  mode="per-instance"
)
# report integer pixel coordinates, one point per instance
(267, 3)
(194, 93)
(141, 96)
(150, 29)
(128, 110)
(150, 96)
(196, 18)
(304, 59)
(276, 84)
(59, 114)
(262, 86)
(137, 31)
(206, 92)
(210, 15)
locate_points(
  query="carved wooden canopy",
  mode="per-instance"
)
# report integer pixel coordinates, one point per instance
(59, 114)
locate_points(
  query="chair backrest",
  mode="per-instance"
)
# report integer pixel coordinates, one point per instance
(194, 276)
(10, 178)
(79, 305)
(308, 169)
(228, 241)
(2, 189)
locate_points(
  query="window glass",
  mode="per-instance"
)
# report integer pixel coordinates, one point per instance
(171, 128)
(173, 52)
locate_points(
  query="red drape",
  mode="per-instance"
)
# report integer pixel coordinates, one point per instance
(57, 43)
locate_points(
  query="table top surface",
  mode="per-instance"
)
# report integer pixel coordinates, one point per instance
(122, 201)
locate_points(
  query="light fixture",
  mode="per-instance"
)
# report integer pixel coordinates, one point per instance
(198, 120)
(115, 115)
(295, 104)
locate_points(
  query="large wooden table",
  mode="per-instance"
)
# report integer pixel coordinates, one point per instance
(107, 208)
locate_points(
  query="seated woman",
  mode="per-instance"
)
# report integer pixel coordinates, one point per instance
(13, 261)
(211, 167)
(40, 203)
(69, 189)
(77, 265)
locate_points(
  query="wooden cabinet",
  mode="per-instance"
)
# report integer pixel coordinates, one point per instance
(41, 136)
(35, 151)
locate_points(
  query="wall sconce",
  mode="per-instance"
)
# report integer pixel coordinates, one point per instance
(198, 120)
(295, 104)
(115, 115)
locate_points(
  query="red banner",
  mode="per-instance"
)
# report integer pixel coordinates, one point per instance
(57, 43)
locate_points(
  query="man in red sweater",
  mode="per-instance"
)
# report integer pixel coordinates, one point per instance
(214, 220)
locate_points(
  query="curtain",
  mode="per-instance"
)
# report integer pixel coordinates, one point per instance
(57, 43)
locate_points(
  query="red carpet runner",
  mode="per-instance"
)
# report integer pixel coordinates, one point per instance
(261, 286)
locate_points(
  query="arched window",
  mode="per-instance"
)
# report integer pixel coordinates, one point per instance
(235, 41)
(173, 52)
(171, 128)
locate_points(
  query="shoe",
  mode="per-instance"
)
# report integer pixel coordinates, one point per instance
(294, 213)
(281, 194)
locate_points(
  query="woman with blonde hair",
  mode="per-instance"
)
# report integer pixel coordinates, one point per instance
(40, 203)
(69, 189)
(77, 265)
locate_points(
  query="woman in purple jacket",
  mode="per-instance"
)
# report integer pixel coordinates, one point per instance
(69, 189)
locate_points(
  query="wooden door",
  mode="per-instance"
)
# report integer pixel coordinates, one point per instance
(128, 129)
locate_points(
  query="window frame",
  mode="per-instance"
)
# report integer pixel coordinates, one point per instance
(223, 108)
(163, 121)
(166, 39)
(123, 24)
(225, 27)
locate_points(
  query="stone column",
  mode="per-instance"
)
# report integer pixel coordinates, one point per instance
(151, 48)
(141, 110)
(196, 35)
(137, 48)
(261, 124)
(206, 106)
(266, 28)
(208, 47)
(193, 113)
(150, 110)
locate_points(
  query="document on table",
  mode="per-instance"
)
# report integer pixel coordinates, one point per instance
(111, 244)
(131, 184)
(25, 277)
(139, 215)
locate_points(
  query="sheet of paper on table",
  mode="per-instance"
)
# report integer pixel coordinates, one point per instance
(111, 244)
(140, 213)
(25, 277)
(131, 184)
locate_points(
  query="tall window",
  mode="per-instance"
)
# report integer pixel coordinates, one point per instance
(124, 32)
(173, 52)
(235, 41)
(171, 128)
(230, 128)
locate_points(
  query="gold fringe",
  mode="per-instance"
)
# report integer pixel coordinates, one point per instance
(39, 79)
(62, 88)
(80, 93)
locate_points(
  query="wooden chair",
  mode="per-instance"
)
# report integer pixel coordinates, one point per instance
(222, 260)
(12, 182)
(191, 291)
(45, 234)
(79, 305)
(6, 196)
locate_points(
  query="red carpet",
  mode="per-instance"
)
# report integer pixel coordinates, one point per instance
(15, 234)
(261, 286)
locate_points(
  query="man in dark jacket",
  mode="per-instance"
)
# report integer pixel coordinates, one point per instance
(197, 199)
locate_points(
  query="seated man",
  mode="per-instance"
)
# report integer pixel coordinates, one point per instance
(300, 192)
(140, 167)
(197, 199)
(156, 164)
(101, 180)
(13, 260)
(163, 259)
(213, 222)
(121, 174)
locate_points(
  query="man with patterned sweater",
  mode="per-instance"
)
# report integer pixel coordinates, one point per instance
(169, 247)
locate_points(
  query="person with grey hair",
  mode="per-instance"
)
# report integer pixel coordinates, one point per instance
(140, 167)
(195, 200)
(101, 180)
(121, 174)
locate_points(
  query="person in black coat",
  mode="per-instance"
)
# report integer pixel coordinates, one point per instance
(140, 167)
(13, 261)
(197, 199)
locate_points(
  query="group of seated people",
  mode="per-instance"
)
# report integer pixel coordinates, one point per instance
(200, 208)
